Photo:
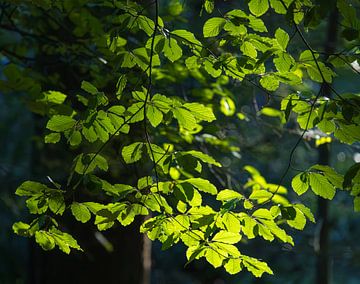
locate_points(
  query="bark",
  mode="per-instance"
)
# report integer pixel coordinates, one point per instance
(146, 258)
(323, 275)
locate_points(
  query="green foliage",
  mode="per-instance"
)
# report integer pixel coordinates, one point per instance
(159, 96)
(323, 181)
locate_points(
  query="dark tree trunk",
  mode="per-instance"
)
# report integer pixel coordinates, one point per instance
(96, 264)
(323, 275)
(146, 258)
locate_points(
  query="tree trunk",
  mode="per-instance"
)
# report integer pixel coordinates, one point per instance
(323, 275)
(146, 258)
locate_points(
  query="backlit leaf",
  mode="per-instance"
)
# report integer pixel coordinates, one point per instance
(300, 183)
(60, 123)
(80, 212)
(213, 257)
(233, 265)
(213, 26)
(171, 49)
(133, 152)
(282, 38)
(227, 237)
(321, 186)
(228, 194)
(258, 7)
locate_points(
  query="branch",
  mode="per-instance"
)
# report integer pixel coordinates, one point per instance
(148, 95)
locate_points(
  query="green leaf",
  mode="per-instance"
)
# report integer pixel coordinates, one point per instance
(306, 211)
(263, 213)
(194, 252)
(139, 95)
(145, 24)
(228, 194)
(75, 138)
(209, 6)
(227, 237)
(128, 60)
(162, 103)
(200, 111)
(80, 212)
(144, 182)
(181, 222)
(284, 62)
(22, 229)
(64, 241)
(257, 24)
(171, 49)
(53, 97)
(233, 266)
(37, 204)
(89, 134)
(60, 123)
(93, 206)
(142, 58)
(333, 177)
(132, 153)
(121, 189)
(117, 110)
(235, 30)
(30, 188)
(213, 257)
(299, 221)
(52, 138)
(202, 156)
(300, 183)
(321, 186)
(278, 6)
(269, 82)
(128, 215)
(248, 49)
(45, 240)
(213, 26)
(260, 194)
(154, 115)
(185, 118)
(258, 7)
(209, 66)
(87, 163)
(120, 85)
(188, 38)
(227, 106)
(152, 202)
(326, 126)
(88, 87)
(192, 63)
(314, 73)
(347, 133)
(202, 185)
(231, 222)
(256, 267)
(307, 56)
(307, 119)
(57, 203)
(268, 111)
(174, 173)
(175, 7)
(282, 38)
(248, 225)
